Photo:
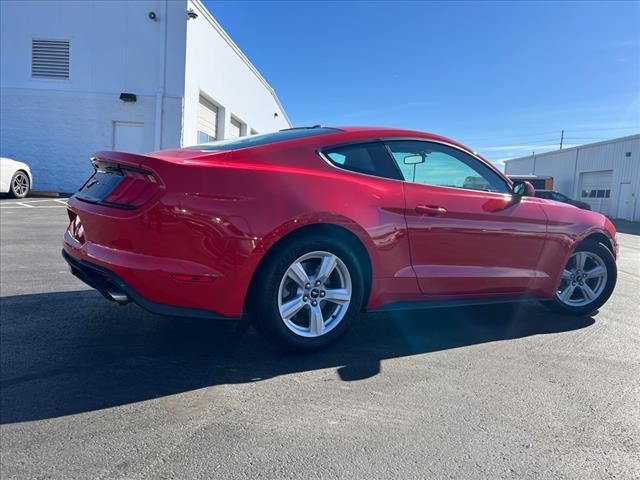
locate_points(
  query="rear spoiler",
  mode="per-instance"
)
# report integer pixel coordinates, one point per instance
(132, 160)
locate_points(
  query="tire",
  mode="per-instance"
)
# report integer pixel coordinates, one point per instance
(597, 258)
(275, 290)
(20, 184)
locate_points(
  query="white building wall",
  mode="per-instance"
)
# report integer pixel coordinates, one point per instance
(218, 70)
(569, 166)
(520, 166)
(55, 125)
(562, 168)
(612, 156)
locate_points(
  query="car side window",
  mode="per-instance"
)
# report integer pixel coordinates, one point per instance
(371, 158)
(436, 164)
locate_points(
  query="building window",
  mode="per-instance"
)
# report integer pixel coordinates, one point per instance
(50, 59)
(207, 121)
(235, 128)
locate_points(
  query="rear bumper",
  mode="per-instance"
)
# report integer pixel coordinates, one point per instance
(112, 287)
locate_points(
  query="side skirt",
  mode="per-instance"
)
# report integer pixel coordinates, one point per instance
(427, 304)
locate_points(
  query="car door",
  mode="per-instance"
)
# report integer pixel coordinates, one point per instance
(468, 234)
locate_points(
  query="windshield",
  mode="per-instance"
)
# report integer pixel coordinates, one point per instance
(264, 139)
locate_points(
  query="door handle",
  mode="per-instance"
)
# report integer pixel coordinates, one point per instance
(431, 210)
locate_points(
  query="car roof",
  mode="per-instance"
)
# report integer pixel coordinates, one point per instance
(334, 136)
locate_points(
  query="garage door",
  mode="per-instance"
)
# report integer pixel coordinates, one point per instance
(595, 189)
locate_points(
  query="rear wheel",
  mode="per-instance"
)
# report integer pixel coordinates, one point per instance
(20, 185)
(588, 279)
(308, 294)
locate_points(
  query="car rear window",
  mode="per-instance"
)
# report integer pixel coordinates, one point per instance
(264, 139)
(369, 158)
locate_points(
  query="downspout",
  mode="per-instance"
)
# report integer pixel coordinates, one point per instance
(161, 89)
(576, 187)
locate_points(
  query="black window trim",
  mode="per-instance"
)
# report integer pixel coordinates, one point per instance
(320, 152)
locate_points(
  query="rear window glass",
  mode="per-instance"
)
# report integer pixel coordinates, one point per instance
(264, 139)
(370, 158)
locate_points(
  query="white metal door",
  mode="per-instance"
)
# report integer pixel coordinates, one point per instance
(128, 137)
(595, 189)
(624, 202)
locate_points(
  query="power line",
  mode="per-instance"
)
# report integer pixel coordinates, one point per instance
(529, 135)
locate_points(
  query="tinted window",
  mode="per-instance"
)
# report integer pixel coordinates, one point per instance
(370, 158)
(436, 164)
(559, 197)
(257, 140)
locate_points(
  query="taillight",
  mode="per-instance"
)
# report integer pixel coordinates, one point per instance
(76, 229)
(134, 190)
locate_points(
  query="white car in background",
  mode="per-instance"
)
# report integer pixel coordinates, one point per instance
(15, 177)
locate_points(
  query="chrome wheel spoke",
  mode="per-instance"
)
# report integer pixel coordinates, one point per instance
(316, 321)
(326, 268)
(337, 295)
(297, 273)
(292, 307)
(587, 293)
(581, 258)
(596, 272)
(566, 274)
(566, 294)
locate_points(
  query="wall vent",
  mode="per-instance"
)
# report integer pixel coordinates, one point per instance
(50, 59)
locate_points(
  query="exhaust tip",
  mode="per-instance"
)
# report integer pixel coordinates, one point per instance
(118, 296)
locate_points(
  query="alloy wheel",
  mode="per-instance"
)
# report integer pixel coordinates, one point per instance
(20, 185)
(583, 280)
(314, 294)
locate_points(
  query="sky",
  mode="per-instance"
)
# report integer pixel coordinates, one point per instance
(504, 78)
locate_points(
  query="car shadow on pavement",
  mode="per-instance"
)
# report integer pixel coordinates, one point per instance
(71, 352)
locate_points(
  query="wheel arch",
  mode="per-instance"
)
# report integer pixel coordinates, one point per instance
(599, 237)
(332, 230)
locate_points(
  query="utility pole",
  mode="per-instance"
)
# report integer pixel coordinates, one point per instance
(561, 139)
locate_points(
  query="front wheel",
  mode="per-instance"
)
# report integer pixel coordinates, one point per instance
(587, 281)
(308, 294)
(20, 185)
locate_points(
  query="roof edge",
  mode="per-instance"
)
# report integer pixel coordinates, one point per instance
(214, 23)
(635, 136)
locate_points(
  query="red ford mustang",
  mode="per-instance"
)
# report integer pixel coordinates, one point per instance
(304, 228)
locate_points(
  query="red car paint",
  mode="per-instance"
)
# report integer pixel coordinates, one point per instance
(214, 215)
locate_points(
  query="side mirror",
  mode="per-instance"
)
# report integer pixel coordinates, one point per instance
(524, 189)
(413, 159)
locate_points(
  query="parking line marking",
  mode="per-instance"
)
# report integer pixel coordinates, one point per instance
(30, 201)
(18, 206)
(25, 204)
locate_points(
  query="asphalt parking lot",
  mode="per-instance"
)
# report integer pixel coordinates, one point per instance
(90, 389)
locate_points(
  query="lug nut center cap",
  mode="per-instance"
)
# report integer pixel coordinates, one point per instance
(314, 293)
